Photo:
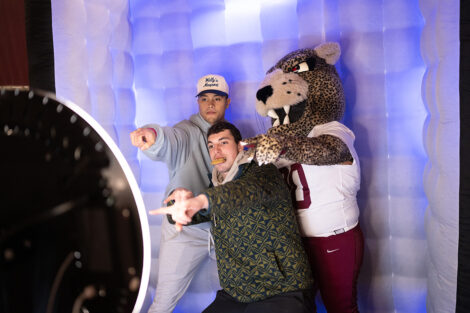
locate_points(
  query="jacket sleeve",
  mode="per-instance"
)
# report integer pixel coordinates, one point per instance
(258, 185)
(172, 145)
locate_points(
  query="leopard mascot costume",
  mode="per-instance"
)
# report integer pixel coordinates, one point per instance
(304, 97)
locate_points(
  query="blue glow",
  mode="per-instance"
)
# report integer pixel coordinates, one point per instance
(382, 70)
(242, 21)
(208, 27)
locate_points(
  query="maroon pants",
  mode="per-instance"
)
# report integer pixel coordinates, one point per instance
(335, 262)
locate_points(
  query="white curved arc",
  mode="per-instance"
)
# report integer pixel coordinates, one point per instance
(134, 188)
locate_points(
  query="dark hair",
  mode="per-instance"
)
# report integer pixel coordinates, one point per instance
(223, 125)
(219, 93)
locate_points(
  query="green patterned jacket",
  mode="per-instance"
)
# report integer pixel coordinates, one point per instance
(258, 246)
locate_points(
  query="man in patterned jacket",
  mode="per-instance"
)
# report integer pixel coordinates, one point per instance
(260, 258)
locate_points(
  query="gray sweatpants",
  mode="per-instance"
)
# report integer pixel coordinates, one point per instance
(180, 256)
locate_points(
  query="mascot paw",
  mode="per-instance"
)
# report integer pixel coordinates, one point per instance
(263, 148)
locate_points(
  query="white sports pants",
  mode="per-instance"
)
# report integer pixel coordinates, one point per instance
(180, 256)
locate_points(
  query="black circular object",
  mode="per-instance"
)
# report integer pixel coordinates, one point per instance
(73, 228)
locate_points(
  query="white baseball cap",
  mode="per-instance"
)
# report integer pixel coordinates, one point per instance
(212, 83)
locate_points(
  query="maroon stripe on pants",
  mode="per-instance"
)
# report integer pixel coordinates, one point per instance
(336, 261)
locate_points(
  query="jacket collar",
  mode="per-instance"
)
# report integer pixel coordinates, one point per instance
(242, 168)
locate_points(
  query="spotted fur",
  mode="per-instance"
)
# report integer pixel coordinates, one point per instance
(304, 84)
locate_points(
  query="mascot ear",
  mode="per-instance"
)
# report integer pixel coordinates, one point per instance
(330, 51)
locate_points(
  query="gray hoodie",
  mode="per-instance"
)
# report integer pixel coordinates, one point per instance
(183, 148)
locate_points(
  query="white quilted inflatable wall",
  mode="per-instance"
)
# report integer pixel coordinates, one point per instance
(440, 90)
(132, 62)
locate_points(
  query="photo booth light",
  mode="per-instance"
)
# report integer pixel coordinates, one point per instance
(73, 228)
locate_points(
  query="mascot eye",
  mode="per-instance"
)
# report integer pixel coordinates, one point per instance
(301, 67)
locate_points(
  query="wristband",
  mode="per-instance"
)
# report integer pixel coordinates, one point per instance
(154, 131)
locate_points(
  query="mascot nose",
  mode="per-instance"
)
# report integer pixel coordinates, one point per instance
(264, 93)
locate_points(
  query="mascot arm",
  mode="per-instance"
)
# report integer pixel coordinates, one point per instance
(321, 150)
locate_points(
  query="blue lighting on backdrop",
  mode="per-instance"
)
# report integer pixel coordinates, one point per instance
(175, 42)
(133, 62)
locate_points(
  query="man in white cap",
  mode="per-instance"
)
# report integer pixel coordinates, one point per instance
(183, 148)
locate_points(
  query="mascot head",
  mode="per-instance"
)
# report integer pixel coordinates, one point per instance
(302, 90)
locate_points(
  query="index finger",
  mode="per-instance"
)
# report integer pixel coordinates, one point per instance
(160, 211)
